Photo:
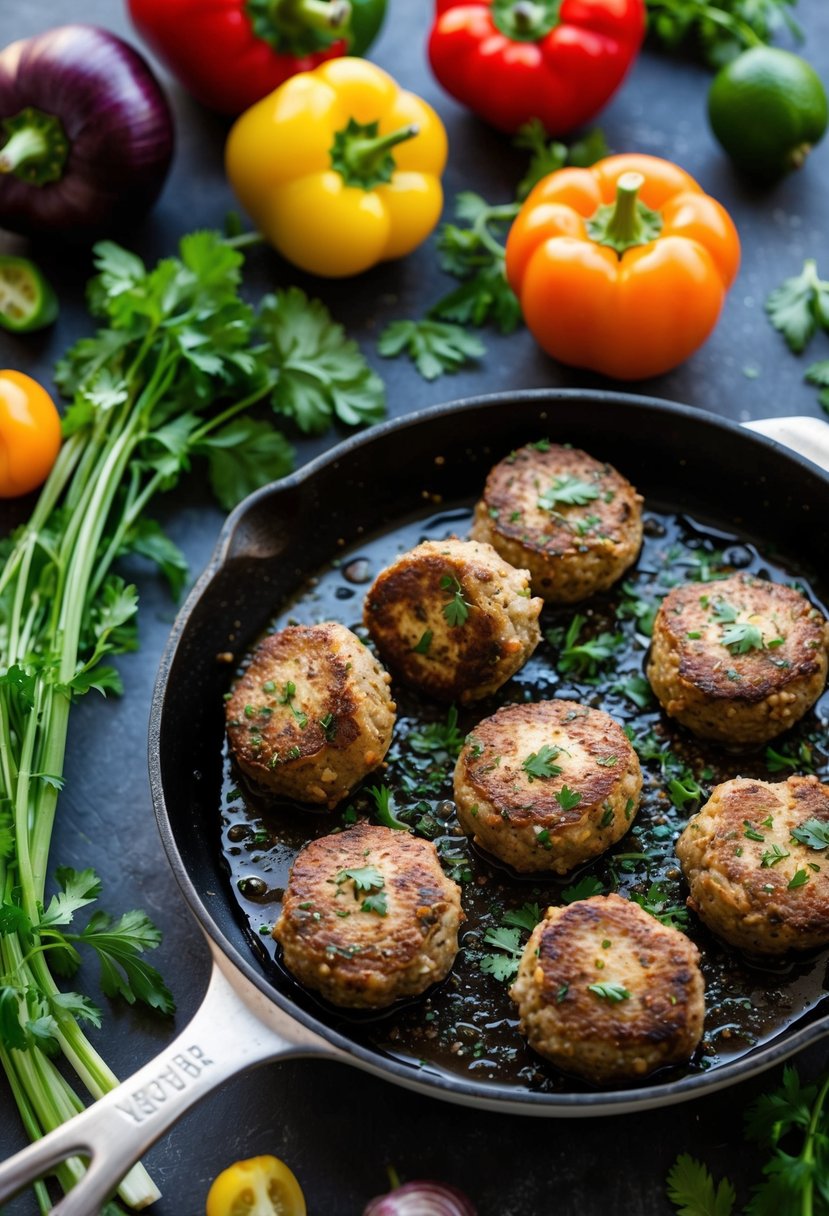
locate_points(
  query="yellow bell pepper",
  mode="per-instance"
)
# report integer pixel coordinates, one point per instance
(339, 168)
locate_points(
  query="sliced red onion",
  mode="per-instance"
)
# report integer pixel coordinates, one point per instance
(421, 1198)
(86, 135)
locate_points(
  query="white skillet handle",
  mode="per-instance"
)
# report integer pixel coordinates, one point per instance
(224, 1037)
(808, 437)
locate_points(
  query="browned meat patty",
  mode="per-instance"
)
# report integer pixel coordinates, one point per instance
(739, 660)
(311, 715)
(452, 619)
(756, 862)
(607, 992)
(547, 786)
(369, 916)
(572, 521)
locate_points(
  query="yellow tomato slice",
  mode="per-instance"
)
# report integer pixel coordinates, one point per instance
(259, 1186)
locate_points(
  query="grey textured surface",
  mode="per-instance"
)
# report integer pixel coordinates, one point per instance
(337, 1128)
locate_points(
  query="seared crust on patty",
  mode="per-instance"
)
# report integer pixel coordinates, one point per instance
(739, 660)
(369, 916)
(453, 619)
(521, 769)
(607, 992)
(311, 714)
(752, 882)
(572, 521)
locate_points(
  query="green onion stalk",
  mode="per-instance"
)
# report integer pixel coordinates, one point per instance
(149, 391)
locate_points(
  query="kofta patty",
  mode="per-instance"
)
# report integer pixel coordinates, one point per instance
(572, 521)
(311, 715)
(452, 619)
(739, 660)
(369, 916)
(547, 786)
(757, 866)
(607, 992)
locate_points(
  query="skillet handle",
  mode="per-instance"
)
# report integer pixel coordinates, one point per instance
(807, 436)
(234, 1028)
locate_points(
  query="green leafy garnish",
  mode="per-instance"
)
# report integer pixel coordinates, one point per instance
(379, 903)
(799, 306)
(657, 902)
(567, 799)
(539, 765)
(287, 698)
(439, 736)
(382, 796)
(584, 658)
(435, 347)
(567, 491)
(685, 790)
(719, 29)
(610, 992)
(814, 833)
(503, 966)
(773, 855)
(424, 642)
(692, 1189)
(456, 611)
(742, 637)
(548, 156)
(798, 879)
(525, 917)
(585, 888)
(365, 878)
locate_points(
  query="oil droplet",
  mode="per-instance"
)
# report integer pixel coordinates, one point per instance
(345, 593)
(358, 571)
(238, 832)
(252, 888)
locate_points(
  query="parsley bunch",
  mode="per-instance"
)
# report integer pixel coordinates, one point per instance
(797, 309)
(178, 359)
(792, 1126)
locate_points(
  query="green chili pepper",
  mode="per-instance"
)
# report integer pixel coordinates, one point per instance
(27, 301)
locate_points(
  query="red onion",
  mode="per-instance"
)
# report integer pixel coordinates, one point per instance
(421, 1199)
(86, 135)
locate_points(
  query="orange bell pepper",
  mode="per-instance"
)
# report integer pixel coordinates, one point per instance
(623, 267)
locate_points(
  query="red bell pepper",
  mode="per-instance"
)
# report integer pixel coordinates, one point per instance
(555, 60)
(231, 53)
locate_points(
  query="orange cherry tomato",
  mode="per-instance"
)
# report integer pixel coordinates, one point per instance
(260, 1186)
(29, 434)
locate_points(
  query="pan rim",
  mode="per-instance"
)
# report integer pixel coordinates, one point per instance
(489, 1095)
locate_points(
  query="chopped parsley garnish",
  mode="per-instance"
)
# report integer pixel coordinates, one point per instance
(329, 726)
(381, 794)
(685, 789)
(287, 698)
(365, 878)
(378, 902)
(610, 992)
(439, 736)
(799, 879)
(583, 658)
(583, 889)
(425, 642)
(814, 833)
(567, 799)
(742, 637)
(723, 613)
(525, 917)
(773, 855)
(293, 753)
(657, 902)
(751, 833)
(567, 491)
(539, 765)
(507, 939)
(638, 690)
(456, 610)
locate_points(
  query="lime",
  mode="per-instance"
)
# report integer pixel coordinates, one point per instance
(767, 108)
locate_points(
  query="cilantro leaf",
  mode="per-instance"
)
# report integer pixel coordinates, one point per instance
(320, 372)
(525, 917)
(798, 305)
(244, 456)
(691, 1188)
(567, 799)
(742, 637)
(119, 945)
(434, 346)
(456, 610)
(378, 902)
(501, 967)
(538, 765)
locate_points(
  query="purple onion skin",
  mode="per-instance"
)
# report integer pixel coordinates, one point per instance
(421, 1199)
(117, 121)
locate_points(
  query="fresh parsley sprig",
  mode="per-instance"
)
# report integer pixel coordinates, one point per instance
(798, 308)
(583, 659)
(720, 29)
(507, 939)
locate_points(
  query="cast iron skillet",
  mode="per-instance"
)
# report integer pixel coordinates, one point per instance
(271, 543)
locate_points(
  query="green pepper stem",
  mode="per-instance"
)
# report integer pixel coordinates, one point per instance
(24, 145)
(362, 157)
(625, 225)
(323, 15)
(525, 20)
(365, 152)
(527, 16)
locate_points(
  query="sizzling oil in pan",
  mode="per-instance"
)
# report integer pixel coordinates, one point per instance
(468, 1024)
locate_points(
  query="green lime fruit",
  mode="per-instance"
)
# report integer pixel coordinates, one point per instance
(767, 108)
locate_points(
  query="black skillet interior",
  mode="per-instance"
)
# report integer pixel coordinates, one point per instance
(683, 462)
